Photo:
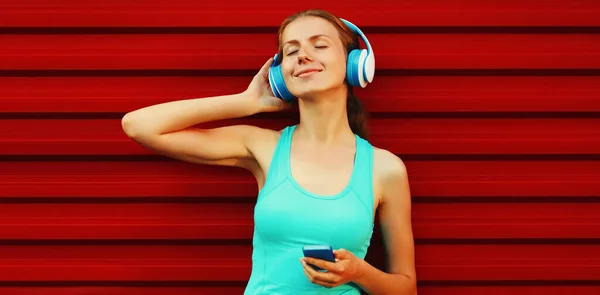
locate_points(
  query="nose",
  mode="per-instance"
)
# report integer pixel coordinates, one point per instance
(303, 59)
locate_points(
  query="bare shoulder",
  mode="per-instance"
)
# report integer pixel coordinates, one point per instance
(389, 174)
(387, 164)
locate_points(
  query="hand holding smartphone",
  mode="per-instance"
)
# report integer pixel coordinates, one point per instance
(323, 252)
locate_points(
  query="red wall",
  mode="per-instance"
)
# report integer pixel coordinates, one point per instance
(493, 105)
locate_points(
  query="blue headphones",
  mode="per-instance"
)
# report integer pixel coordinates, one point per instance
(360, 68)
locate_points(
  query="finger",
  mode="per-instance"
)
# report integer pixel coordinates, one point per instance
(337, 254)
(316, 281)
(266, 66)
(306, 271)
(329, 266)
(319, 278)
(287, 106)
(342, 254)
(311, 271)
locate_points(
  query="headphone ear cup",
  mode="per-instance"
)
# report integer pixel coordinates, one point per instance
(361, 68)
(272, 84)
(277, 83)
(352, 67)
(355, 67)
(369, 68)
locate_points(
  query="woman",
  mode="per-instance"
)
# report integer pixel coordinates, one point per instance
(320, 181)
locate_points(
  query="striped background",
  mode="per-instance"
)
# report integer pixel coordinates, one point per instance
(493, 105)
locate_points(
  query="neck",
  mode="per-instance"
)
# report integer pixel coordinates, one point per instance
(324, 119)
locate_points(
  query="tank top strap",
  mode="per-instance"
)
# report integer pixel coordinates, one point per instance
(279, 167)
(362, 182)
(282, 156)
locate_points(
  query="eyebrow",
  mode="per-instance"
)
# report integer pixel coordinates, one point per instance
(311, 38)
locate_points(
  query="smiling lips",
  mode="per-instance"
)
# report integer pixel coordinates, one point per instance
(307, 72)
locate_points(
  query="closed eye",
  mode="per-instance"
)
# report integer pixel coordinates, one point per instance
(320, 47)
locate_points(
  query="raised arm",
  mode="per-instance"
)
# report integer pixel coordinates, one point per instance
(169, 128)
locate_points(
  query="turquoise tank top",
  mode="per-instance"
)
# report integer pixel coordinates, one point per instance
(287, 217)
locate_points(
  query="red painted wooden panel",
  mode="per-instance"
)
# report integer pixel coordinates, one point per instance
(474, 235)
(250, 51)
(386, 94)
(424, 290)
(483, 178)
(124, 290)
(401, 136)
(219, 221)
(164, 13)
(509, 290)
(232, 263)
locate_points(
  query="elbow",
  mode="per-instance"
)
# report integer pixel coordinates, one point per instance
(413, 286)
(409, 285)
(134, 127)
(129, 125)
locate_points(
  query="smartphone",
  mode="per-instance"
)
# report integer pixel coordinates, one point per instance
(323, 252)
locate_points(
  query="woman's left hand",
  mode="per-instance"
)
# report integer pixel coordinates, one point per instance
(345, 269)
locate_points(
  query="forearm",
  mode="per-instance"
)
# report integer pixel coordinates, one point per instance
(377, 282)
(177, 115)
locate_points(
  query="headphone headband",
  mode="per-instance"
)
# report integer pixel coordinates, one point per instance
(355, 28)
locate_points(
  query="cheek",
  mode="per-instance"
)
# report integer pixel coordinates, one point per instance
(286, 67)
(289, 63)
(342, 69)
(338, 71)
(287, 70)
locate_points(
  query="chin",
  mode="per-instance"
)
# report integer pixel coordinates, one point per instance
(308, 91)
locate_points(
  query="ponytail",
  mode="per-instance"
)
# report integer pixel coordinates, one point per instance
(357, 116)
